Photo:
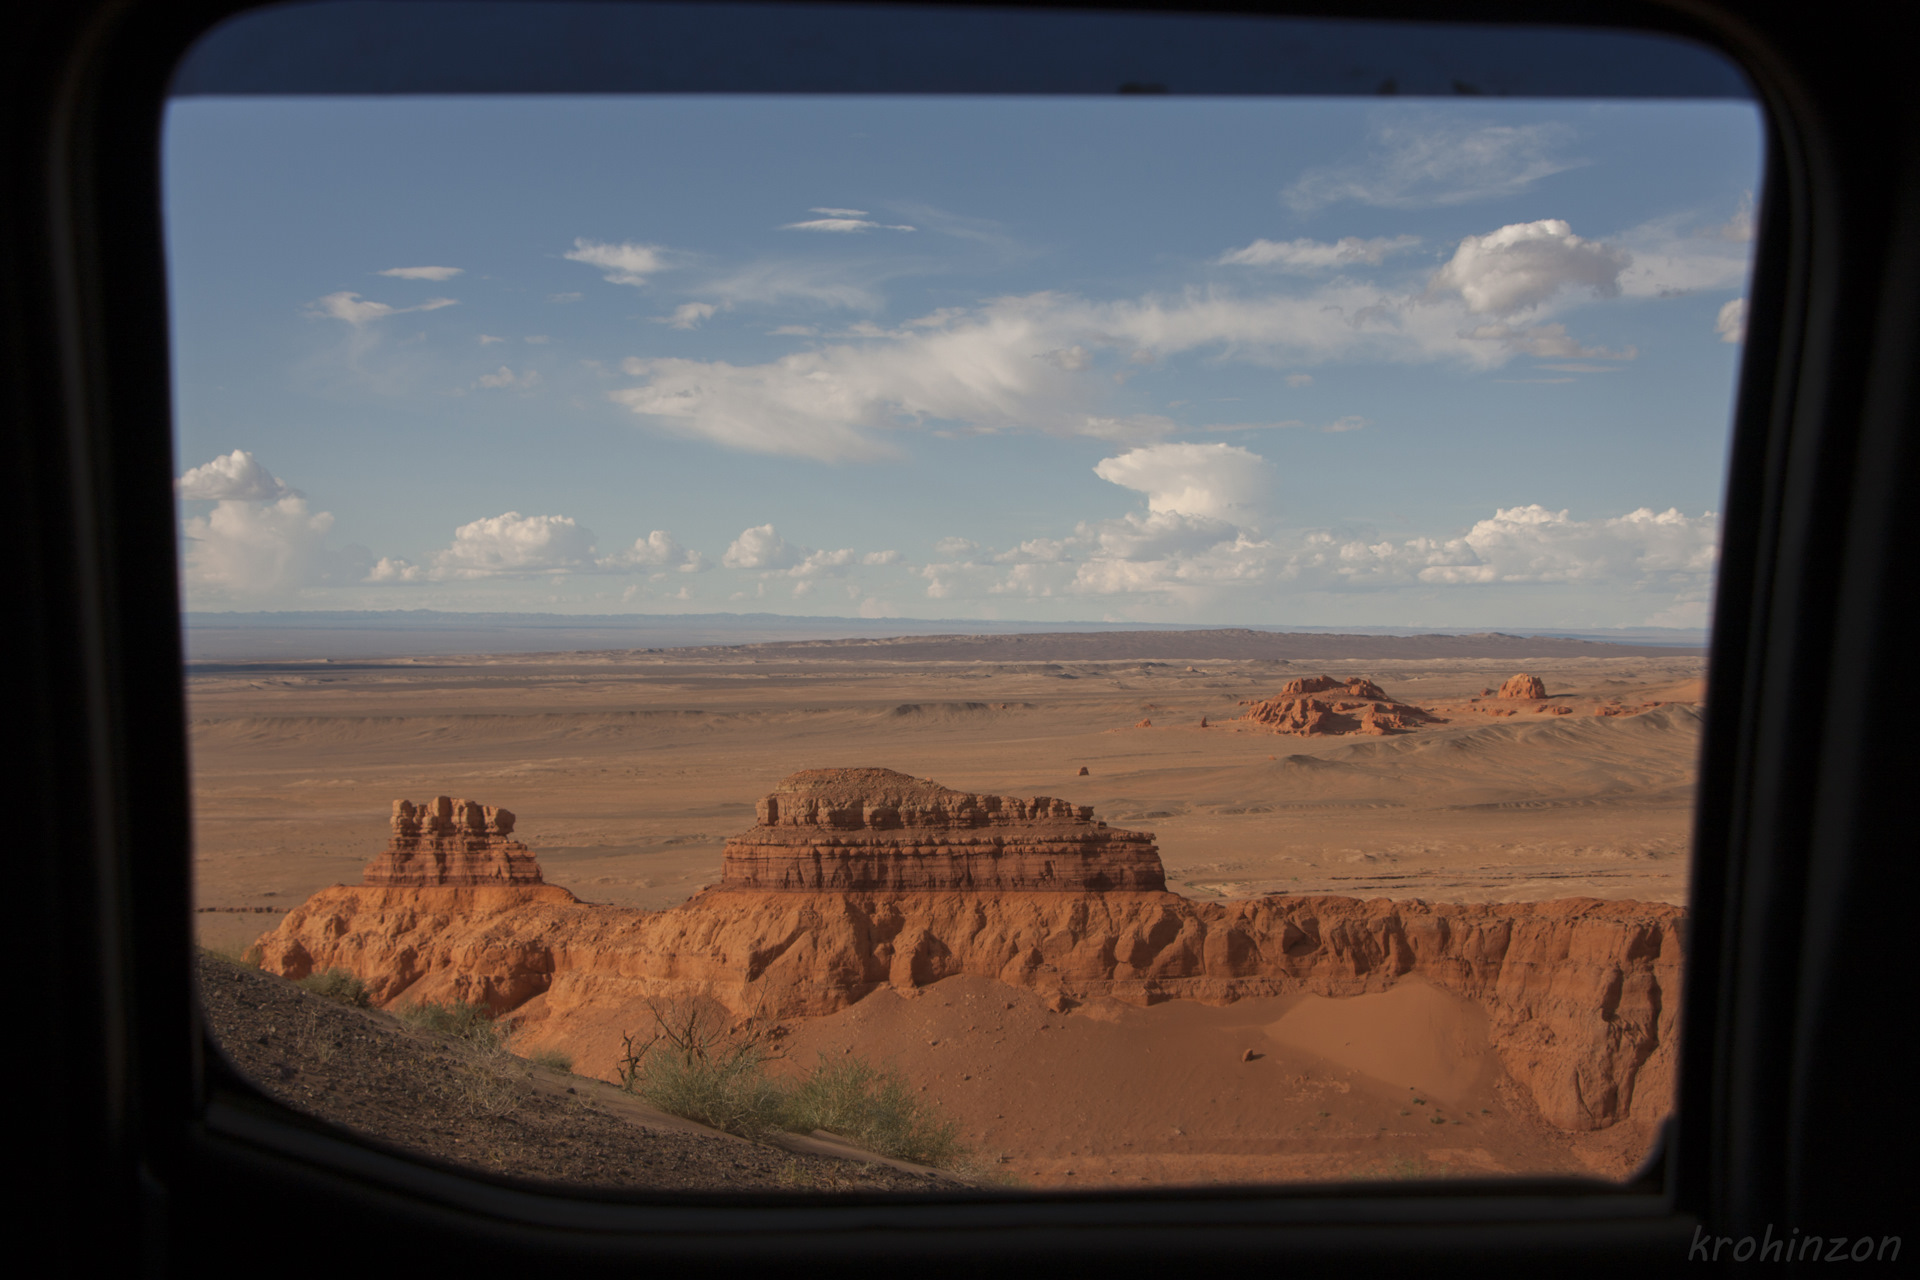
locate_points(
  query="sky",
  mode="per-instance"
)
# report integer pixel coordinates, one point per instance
(1313, 362)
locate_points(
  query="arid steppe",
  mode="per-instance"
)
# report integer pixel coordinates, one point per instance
(629, 770)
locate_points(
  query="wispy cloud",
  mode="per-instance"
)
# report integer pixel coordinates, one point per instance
(1317, 255)
(422, 273)
(355, 310)
(623, 263)
(1429, 162)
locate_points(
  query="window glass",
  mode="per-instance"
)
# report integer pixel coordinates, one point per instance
(718, 518)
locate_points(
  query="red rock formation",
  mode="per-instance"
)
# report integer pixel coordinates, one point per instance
(857, 879)
(865, 830)
(1581, 995)
(1523, 686)
(1364, 707)
(452, 842)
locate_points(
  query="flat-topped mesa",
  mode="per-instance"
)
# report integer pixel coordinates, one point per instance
(1357, 705)
(451, 842)
(878, 831)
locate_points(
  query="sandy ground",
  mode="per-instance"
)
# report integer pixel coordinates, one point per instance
(629, 771)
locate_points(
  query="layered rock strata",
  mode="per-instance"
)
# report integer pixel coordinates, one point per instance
(449, 842)
(1581, 995)
(875, 830)
(1357, 705)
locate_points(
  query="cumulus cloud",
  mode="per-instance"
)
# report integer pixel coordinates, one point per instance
(658, 550)
(1663, 558)
(422, 273)
(1317, 255)
(623, 263)
(1525, 265)
(237, 475)
(252, 549)
(1430, 162)
(761, 548)
(515, 545)
(1732, 322)
(1222, 481)
(355, 310)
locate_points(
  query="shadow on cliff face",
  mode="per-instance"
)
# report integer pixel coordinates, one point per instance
(858, 887)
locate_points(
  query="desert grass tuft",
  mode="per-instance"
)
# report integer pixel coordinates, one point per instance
(338, 984)
(552, 1059)
(472, 1023)
(874, 1108)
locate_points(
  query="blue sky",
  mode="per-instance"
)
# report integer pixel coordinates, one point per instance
(1312, 362)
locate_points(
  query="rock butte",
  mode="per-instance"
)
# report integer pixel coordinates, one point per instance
(1361, 706)
(452, 842)
(1581, 995)
(875, 830)
(1523, 686)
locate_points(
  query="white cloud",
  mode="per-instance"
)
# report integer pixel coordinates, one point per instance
(1732, 322)
(1022, 363)
(1533, 544)
(1525, 265)
(422, 273)
(503, 377)
(839, 213)
(513, 544)
(1428, 162)
(237, 475)
(487, 339)
(351, 308)
(624, 263)
(1672, 256)
(391, 570)
(955, 547)
(1317, 255)
(1299, 379)
(1221, 481)
(659, 550)
(690, 315)
(842, 225)
(254, 549)
(767, 283)
(762, 548)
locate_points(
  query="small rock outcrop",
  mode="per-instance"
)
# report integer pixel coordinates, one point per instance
(1523, 686)
(875, 830)
(1357, 705)
(450, 842)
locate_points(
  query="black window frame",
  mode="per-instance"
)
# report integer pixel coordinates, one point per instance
(1787, 1103)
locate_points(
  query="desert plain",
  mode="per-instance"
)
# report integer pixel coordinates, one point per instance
(630, 769)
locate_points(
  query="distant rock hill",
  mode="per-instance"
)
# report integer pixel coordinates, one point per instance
(1359, 706)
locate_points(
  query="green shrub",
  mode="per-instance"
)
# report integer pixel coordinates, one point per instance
(692, 1066)
(338, 984)
(470, 1022)
(552, 1059)
(874, 1108)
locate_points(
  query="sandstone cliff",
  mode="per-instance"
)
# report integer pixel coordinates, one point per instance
(857, 879)
(865, 830)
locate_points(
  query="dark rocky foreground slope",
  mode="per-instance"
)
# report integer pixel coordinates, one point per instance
(433, 1096)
